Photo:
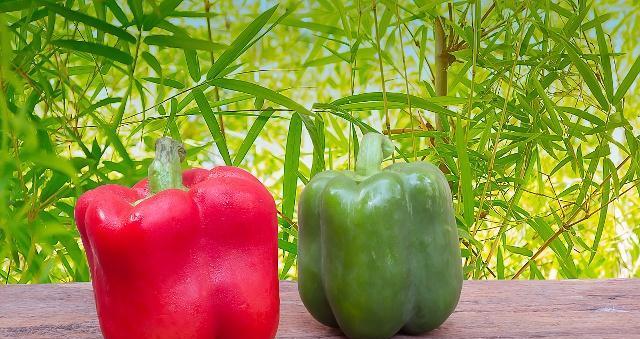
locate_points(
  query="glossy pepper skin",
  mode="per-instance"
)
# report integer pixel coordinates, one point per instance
(378, 250)
(198, 261)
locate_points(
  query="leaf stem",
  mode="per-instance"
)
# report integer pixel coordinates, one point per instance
(373, 150)
(164, 171)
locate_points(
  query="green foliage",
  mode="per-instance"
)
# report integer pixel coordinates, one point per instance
(537, 131)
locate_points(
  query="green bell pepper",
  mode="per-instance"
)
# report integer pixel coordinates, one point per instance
(378, 250)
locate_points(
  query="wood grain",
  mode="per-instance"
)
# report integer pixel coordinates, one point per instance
(487, 309)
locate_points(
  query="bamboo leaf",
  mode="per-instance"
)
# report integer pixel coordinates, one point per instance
(289, 260)
(192, 14)
(183, 42)
(171, 122)
(605, 61)
(267, 94)
(584, 70)
(101, 103)
(90, 21)
(499, 264)
(627, 82)
(251, 136)
(519, 250)
(576, 19)
(363, 53)
(549, 105)
(16, 5)
(241, 43)
(136, 8)
(316, 27)
(262, 92)
(193, 65)
(416, 102)
(96, 49)
(163, 10)
(564, 256)
(291, 164)
(115, 141)
(598, 20)
(287, 247)
(587, 179)
(166, 82)
(152, 62)
(583, 115)
(464, 171)
(212, 124)
(604, 206)
(117, 12)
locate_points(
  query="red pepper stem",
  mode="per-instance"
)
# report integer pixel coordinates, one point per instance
(165, 171)
(374, 148)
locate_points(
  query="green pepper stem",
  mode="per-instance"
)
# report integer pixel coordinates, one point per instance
(374, 148)
(165, 171)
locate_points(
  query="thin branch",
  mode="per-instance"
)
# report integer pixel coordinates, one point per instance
(567, 226)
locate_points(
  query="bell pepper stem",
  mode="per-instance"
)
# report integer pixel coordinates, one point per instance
(374, 148)
(165, 171)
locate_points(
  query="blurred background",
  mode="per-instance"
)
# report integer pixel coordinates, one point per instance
(529, 107)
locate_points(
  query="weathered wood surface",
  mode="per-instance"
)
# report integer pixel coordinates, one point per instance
(487, 309)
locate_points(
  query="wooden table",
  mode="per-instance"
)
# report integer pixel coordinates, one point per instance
(487, 309)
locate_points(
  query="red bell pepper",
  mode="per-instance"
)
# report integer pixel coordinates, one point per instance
(188, 255)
